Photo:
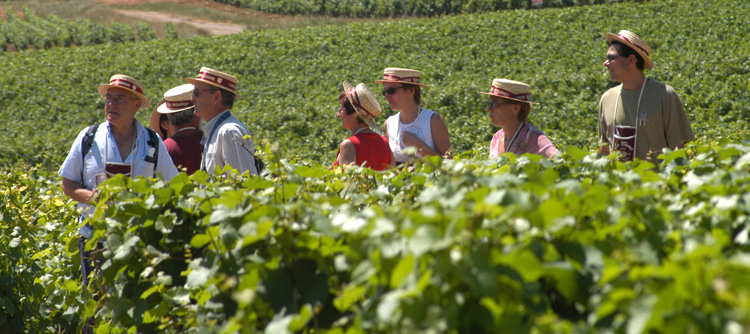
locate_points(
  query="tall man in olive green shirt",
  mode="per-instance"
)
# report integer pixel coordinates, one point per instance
(641, 116)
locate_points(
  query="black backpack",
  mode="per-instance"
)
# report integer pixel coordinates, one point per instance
(88, 141)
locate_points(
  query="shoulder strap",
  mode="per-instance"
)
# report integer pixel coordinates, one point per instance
(86, 143)
(153, 141)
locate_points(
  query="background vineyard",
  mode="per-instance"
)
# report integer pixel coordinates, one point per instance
(519, 244)
(32, 31)
(395, 8)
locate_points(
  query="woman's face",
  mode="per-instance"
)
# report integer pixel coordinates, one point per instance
(347, 121)
(398, 95)
(502, 111)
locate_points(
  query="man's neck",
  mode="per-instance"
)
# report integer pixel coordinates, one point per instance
(122, 131)
(216, 112)
(635, 81)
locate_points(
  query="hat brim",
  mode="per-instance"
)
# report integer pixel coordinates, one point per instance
(194, 80)
(509, 98)
(380, 82)
(163, 109)
(145, 103)
(647, 63)
(365, 117)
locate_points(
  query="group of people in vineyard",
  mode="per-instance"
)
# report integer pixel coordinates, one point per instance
(637, 118)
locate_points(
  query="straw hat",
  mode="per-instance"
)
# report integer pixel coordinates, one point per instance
(401, 75)
(127, 83)
(511, 90)
(177, 99)
(364, 102)
(636, 43)
(217, 79)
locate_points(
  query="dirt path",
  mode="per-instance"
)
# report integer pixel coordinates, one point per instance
(215, 28)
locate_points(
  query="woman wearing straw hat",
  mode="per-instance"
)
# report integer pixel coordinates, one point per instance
(509, 107)
(358, 108)
(412, 126)
(159, 122)
(184, 143)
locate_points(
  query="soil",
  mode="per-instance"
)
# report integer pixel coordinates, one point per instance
(214, 28)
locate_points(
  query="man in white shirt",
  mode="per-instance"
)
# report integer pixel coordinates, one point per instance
(213, 96)
(121, 145)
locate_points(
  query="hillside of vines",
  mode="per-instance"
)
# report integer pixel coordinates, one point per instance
(290, 79)
(35, 32)
(396, 8)
(577, 244)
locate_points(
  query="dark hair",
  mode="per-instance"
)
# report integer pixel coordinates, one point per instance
(348, 107)
(523, 114)
(227, 98)
(162, 130)
(182, 117)
(417, 92)
(626, 51)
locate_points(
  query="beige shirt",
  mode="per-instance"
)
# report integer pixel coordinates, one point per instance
(225, 147)
(661, 120)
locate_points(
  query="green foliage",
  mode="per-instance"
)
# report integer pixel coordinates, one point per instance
(121, 32)
(517, 244)
(395, 8)
(171, 31)
(144, 31)
(39, 281)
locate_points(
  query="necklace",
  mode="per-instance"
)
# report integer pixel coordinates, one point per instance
(359, 130)
(637, 110)
(514, 136)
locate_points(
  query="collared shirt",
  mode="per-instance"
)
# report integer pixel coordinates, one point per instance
(104, 148)
(226, 146)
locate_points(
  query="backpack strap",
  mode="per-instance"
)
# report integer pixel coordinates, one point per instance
(153, 141)
(86, 143)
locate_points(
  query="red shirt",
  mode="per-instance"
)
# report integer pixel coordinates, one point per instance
(371, 149)
(185, 151)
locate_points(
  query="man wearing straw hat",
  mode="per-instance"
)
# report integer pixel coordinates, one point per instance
(121, 145)
(224, 143)
(641, 116)
(184, 145)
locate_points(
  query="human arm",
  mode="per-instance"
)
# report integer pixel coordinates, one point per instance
(440, 138)
(347, 153)
(235, 150)
(77, 191)
(677, 129)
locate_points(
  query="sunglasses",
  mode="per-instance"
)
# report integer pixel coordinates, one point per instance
(197, 92)
(612, 57)
(391, 91)
(493, 104)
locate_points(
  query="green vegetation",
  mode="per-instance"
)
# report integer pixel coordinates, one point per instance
(518, 244)
(39, 33)
(396, 8)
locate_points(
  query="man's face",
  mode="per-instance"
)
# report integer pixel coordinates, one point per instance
(120, 106)
(203, 98)
(616, 64)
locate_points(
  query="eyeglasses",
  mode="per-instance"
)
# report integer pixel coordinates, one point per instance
(493, 104)
(117, 100)
(610, 58)
(391, 91)
(197, 92)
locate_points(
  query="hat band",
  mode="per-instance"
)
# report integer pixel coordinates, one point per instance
(507, 93)
(232, 86)
(391, 77)
(355, 101)
(126, 84)
(636, 45)
(179, 104)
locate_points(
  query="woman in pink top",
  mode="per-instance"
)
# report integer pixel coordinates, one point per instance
(509, 107)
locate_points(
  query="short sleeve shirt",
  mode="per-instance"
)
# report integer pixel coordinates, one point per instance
(228, 146)
(660, 120)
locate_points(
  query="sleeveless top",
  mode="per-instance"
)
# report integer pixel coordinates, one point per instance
(421, 127)
(371, 149)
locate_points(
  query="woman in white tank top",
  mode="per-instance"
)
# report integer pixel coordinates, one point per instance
(412, 126)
